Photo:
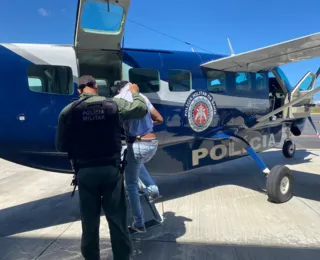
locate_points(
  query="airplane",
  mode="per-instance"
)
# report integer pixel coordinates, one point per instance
(216, 108)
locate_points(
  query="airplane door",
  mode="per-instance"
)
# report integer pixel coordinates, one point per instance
(304, 86)
(100, 24)
(300, 99)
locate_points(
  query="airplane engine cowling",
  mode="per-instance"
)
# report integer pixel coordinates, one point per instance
(298, 126)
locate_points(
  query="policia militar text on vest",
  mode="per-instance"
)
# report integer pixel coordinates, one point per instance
(86, 118)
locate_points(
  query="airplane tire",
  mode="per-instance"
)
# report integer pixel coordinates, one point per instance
(288, 149)
(279, 184)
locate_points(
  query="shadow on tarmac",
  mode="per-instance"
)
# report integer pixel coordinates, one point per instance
(62, 208)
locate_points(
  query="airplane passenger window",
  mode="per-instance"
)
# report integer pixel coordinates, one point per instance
(54, 79)
(148, 80)
(35, 84)
(216, 81)
(104, 20)
(243, 81)
(179, 80)
(261, 82)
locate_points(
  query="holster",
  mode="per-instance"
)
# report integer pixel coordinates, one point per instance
(75, 168)
(74, 181)
(123, 162)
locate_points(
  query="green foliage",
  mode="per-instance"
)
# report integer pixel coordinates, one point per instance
(315, 110)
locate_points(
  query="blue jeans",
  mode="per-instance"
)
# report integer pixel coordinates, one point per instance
(138, 154)
(146, 179)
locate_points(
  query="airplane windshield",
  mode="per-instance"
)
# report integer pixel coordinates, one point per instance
(97, 18)
(283, 78)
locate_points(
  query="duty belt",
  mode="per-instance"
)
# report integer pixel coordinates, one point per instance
(132, 139)
(97, 162)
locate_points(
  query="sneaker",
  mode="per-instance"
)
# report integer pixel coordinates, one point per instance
(139, 229)
(154, 196)
(153, 192)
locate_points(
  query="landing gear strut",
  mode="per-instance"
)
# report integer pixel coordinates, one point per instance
(279, 179)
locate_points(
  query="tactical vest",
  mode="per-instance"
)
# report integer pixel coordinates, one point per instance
(94, 131)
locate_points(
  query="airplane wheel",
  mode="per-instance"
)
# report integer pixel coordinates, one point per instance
(279, 184)
(288, 149)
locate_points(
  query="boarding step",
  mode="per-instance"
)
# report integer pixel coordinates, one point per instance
(156, 220)
(151, 200)
(153, 223)
(153, 213)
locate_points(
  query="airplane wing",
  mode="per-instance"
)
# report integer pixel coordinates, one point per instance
(269, 57)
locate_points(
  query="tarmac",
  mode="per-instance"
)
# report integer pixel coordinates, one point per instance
(219, 212)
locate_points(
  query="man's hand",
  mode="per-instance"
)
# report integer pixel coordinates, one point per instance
(134, 88)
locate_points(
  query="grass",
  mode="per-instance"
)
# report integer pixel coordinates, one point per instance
(315, 110)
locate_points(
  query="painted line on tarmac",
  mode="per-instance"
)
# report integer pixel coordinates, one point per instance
(313, 135)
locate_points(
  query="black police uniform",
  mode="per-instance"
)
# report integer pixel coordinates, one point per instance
(95, 149)
(89, 130)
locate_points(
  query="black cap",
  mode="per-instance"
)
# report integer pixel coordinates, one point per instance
(86, 81)
(122, 83)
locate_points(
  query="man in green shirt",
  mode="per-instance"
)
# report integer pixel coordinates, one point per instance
(89, 130)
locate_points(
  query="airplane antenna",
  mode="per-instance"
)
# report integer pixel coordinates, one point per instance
(167, 35)
(230, 46)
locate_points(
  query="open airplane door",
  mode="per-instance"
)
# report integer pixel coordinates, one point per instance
(99, 32)
(100, 24)
(300, 102)
(302, 109)
(270, 57)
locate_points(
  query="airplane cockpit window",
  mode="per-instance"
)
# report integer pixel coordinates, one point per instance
(216, 81)
(98, 19)
(179, 80)
(284, 78)
(243, 81)
(54, 79)
(148, 80)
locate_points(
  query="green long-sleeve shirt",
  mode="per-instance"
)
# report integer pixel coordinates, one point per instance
(127, 110)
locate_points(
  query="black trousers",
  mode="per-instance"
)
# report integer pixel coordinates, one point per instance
(103, 186)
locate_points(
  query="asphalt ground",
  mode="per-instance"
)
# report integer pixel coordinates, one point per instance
(219, 212)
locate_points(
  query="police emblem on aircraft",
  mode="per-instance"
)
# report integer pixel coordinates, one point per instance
(201, 111)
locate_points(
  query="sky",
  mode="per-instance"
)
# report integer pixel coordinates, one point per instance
(206, 24)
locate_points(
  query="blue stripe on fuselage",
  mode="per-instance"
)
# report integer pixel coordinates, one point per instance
(38, 132)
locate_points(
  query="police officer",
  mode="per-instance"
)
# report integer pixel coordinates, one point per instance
(89, 130)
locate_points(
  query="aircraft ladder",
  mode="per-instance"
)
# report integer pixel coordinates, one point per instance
(157, 219)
